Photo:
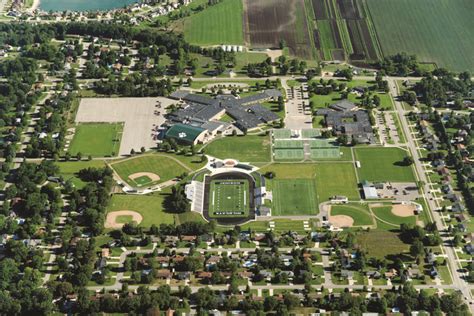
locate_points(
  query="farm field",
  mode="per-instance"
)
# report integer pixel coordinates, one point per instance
(336, 179)
(383, 164)
(166, 168)
(437, 31)
(250, 148)
(96, 139)
(218, 24)
(294, 197)
(343, 30)
(149, 206)
(266, 22)
(360, 214)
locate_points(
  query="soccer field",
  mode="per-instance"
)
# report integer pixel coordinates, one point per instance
(294, 197)
(229, 198)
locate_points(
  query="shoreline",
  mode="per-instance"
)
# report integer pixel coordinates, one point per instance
(34, 6)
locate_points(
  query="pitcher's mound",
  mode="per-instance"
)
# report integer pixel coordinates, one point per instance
(111, 219)
(403, 210)
(341, 221)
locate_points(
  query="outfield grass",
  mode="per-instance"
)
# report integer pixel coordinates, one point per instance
(359, 213)
(294, 197)
(68, 170)
(149, 206)
(336, 179)
(165, 167)
(383, 164)
(385, 213)
(248, 148)
(218, 24)
(98, 140)
(435, 30)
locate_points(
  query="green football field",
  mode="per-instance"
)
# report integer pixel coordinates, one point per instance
(229, 198)
(294, 197)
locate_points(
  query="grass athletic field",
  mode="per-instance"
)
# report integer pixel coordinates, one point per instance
(435, 30)
(229, 198)
(218, 24)
(294, 197)
(359, 213)
(385, 213)
(149, 206)
(165, 167)
(69, 169)
(383, 164)
(336, 179)
(250, 148)
(97, 139)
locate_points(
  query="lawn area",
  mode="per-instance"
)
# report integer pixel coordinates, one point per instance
(166, 167)
(68, 170)
(383, 164)
(218, 24)
(149, 206)
(385, 213)
(250, 148)
(359, 213)
(381, 243)
(97, 139)
(336, 179)
(437, 31)
(242, 59)
(294, 197)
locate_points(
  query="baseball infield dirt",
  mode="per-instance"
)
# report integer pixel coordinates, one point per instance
(110, 220)
(153, 176)
(403, 210)
(341, 221)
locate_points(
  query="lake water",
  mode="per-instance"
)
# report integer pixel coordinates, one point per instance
(83, 5)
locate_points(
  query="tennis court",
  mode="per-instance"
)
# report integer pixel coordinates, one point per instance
(288, 144)
(323, 153)
(289, 154)
(321, 143)
(310, 133)
(281, 133)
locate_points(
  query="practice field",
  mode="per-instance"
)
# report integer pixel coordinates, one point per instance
(294, 197)
(435, 30)
(97, 140)
(383, 164)
(229, 198)
(218, 24)
(250, 148)
(336, 179)
(149, 169)
(150, 208)
(69, 169)
(359, 213)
